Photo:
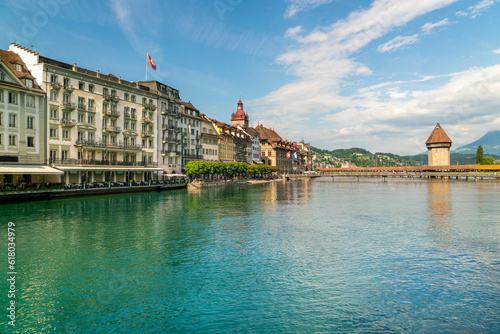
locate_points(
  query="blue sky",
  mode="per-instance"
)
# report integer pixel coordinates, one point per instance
(338, 73)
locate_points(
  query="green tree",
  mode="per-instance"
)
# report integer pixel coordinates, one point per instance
(488, 161)
(479, 155)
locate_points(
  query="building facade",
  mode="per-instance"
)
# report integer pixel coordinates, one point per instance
(275, 151)
(22, 125)
(99, 127)
(209, 141)
(191, 133)
(255, 147)
(168, 127)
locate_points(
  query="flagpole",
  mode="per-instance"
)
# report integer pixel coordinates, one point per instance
(146, 68)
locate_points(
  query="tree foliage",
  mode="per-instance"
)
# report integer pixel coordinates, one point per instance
(479, 155)
(488, 161)
(199, 168)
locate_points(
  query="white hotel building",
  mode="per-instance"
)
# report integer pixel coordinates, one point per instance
(100, 127)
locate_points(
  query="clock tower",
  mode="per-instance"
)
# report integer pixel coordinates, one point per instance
(239, 118)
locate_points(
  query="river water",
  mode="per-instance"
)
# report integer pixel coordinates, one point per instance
(400, 256)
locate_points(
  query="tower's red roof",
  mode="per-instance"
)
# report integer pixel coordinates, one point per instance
(438, 136)
(240, 114)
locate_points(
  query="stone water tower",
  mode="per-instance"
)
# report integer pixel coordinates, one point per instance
(438, 146)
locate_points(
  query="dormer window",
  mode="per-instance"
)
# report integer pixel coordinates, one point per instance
(18, 67)
(29, 83)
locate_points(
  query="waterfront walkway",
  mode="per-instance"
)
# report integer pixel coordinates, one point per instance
(38, 195)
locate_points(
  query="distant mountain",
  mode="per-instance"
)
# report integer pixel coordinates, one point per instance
(490, 143)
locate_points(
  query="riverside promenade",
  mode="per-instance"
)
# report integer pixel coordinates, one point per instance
(42, 195)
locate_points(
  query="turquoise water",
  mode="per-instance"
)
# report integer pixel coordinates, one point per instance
(401, 256)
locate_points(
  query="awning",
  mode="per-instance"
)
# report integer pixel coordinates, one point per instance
(109, 169)
(256, 162)
(173, 175)
(28, 169)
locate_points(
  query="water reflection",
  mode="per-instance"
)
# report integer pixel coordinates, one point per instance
(440, 208)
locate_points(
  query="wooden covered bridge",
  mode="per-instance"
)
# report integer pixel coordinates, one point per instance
(475, 172)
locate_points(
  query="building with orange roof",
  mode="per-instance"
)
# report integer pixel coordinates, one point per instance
(209, 140)
(275, 151)
(438, 146)
(22, 125)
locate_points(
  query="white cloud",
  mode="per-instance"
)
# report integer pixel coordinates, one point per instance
(497, 51)
(427, 28)
(386, 117)
(477, 9)
(390, 116)
(297, 6)
(397, 43)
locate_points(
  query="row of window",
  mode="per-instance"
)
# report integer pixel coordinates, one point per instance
(91, 89)
(91, 156)
(210, 141)
(224, 155)
(209, 151)
(30, 141)
(13, 98)
(30, 121)
(191, 122)
(205, 130)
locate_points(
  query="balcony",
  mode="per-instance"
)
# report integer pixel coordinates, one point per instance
(149, 106)
(147, 133)
(109, 128)
(171, 127)
(111, 98)
(170, 153)
(91, 109)
(68, 122)
(147, 120)
(68, 88)
(192, 156)
(171, 140)
(170, 112)
(103, 163)
(130, 115)
(198, 147)
(55, 85)
(101, 144)
(68, 105)
(82, 107)
(111, 113)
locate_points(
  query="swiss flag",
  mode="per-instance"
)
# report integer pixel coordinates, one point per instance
(151, 62)
(288, 155)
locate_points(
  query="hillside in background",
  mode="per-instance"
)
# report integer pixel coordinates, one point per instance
(490, 143)
(363, 158)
